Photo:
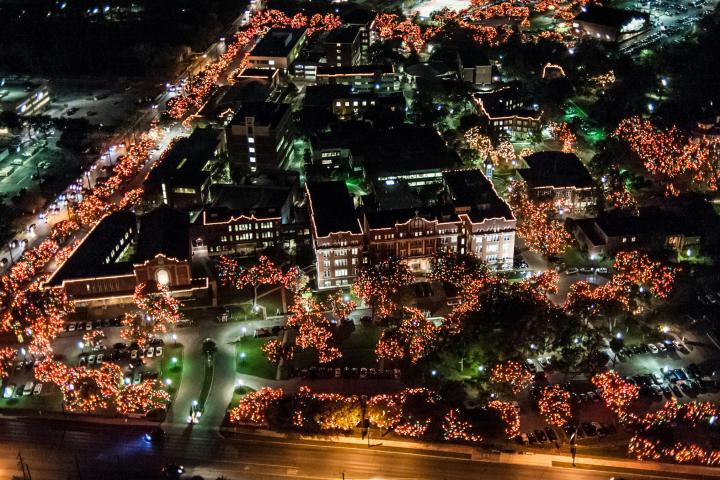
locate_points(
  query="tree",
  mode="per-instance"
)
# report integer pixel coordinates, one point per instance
(158, 311)
(554, 405)
(342, 413)
(265, 272)
(377, 284)
(537, 223)
(142, 397)
(616, 392)
(275, 351)
(511, 373)
(456, 268)
(415, 337)
(252, 408)
(384, 411)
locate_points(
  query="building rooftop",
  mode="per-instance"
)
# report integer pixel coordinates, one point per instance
(354, 70)
(265, 113)
(344, 34)
(163, 231)
(258, 200)
(90, 258)
(185, 162)
(405, 149)
(352, 14)
(471, 192)
(390, 218)
(612, 17)
(259, 73)
(331, 208)
(322, 96)
(278, 42)
(555, 169)
(504, 102)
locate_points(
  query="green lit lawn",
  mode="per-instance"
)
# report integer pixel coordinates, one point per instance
(172, 370)
(254, 363)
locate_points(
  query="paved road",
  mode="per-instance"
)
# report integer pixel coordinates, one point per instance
(119, 453)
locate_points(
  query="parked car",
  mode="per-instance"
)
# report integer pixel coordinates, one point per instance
(150, 352)
(27, 391)
(133, 354)
(551, 434)
(571, 271)
(530, 365)
(523, 439)
(540, 435)
(159, 351)
(653, 348)
(38, 388)
(661, 346)
(99, 358)
(9, 390)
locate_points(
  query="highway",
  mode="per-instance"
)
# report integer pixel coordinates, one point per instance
(119, 452)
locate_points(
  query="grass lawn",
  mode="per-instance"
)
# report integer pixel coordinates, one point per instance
(172, 370)
(575, 258)
(254, 362)
(238, 394)
(358, 349)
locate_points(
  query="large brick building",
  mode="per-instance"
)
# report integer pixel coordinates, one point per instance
(470, 218)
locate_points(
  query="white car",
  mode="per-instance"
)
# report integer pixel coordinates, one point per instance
(150, 352)
(38, 388)
(653, 348)
(99, 358)
(91, 360)
(133, 354)
(27, 391)
(158, 351)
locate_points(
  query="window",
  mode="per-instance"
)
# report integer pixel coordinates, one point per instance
(251, 140)
(506, 237)
(341, 272)
(251, 149)
(491, 248)
(162, 276)
(341, 262)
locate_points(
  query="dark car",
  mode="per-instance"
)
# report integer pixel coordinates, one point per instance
(172, 471)
(155, 435)
(680, 374)
(551, 434)
(589, 429)
(532, 439)
(542, 438)
(694, 370)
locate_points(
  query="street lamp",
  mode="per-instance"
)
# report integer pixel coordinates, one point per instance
(168, 382)
(664, 329)
(244, 331)
(618, 335)
(433, 372)
(481, 368)
(174, 338)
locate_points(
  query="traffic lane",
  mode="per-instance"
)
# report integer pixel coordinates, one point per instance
(120, 452)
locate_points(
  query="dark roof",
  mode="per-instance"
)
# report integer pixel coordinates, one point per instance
(390, 218)
(258, 73)
(185, 162)
(352, 14)
(278, 42)
(472, 57)
(555, 169)
(344, 34)
(235, 200)
(350, 135)
(505, 102)
(231, 97)
(265, 113)
(471, 189)
(163, 231)
(405, 149)
(331, 208)
(322, 96)
(648, 220)
(613, 17)
(331, 70)
(88, 260)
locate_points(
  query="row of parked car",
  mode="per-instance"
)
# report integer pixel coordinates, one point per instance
(576, 397)
(121, 351)
(670, 381)
(578, 430)
(93, 324)
(30, 388)
(665, 346)
(347, 372)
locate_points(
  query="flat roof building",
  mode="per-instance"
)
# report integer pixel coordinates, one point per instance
(610, 24)
(560, 177)
(277, 49)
